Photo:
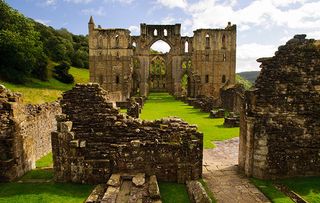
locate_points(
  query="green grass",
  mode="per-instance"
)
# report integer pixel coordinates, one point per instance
(37, 91)
(308, 187)
(43, 192)
(267, 188)
(161, 105)
(173, 192)
(45, 161)
(43, 174)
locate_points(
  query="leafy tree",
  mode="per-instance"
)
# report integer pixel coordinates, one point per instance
(61, 73)
(20, 47)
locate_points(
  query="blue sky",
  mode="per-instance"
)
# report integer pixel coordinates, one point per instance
(263, 25)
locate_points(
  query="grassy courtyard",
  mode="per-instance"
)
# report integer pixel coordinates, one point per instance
(161, 105)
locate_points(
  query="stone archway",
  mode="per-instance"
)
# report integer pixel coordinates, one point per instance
(158, 73)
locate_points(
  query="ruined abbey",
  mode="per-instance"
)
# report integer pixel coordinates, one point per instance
(123, 64)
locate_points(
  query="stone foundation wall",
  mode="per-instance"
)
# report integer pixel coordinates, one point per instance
(280, 125)
(94, 140)
(232, 98)
(24, 134)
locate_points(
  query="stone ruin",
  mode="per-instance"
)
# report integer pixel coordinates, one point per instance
(122, 63)
(280, 125)
(94, 140)
(232, 97)
(25, 133)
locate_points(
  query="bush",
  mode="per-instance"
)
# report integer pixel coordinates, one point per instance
(61, 73)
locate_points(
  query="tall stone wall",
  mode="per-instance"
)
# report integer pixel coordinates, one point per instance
(24, 134)
(232, 97)
(280, 125)
(94, 140)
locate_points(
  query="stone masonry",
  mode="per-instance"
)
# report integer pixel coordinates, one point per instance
(280, 125)
(24, 133)
(94, 140)
(121, 63)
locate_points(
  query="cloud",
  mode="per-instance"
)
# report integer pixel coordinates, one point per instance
(119, 1)
(168, 20)
(50, 2)
(79, 1)
(173, 3)
(92, 11)
(42, 21)
(247, 54)
(134, 29)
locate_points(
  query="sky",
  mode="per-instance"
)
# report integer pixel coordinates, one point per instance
(262, 25)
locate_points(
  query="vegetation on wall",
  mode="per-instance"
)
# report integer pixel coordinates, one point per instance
(26, 46)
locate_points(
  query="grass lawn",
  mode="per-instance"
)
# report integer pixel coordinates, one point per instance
(43, 192)
(308, 187)
(37, 91)
(267, 188)
(161, 105)
(173, 192)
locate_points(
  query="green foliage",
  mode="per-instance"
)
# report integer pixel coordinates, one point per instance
(161, 105)
(270, 191)
(61, 73)
(21, 51)
(173, 192)
(25, 46)
(44, 192)
(246, 83)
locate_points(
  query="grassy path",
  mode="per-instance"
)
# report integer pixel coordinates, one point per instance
(161, 105)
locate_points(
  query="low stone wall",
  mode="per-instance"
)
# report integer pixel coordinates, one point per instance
(24, 134)
(232, 98)
(94, 140)
(280, 125)
(197, 193)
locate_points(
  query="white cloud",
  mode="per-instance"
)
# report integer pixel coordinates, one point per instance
(168, 20)
(173, 3)
(247, 54)
(134, 29)
(119, 1)
(79, 1)
(42, 21)
(50, 2)
(92, 11)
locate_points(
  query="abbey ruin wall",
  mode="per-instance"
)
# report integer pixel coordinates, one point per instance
(94, 140)
(24, 134)
(280, 125)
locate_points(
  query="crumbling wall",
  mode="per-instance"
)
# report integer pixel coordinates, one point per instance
(94, 140)
(232, 98)
(280, 125)
(24, 134)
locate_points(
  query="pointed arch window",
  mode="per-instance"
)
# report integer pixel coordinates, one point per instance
(207, 41)
(165, 32)
(155, 32)
(186, 47)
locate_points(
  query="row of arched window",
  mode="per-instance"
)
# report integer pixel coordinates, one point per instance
(165, 32)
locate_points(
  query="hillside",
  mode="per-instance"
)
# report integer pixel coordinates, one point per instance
(250, 75)
(26, 47)
(246, 83)
(36, 91)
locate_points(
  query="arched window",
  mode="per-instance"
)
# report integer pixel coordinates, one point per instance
(186, 47)
(207, 41)
(118, 55)
(100, 42)
(165, 32)
(223, 80)
(155, 32)
(224, 57)
(117, 40)
(134, 44)
(207, 79)
(223, 41)
(117, 79)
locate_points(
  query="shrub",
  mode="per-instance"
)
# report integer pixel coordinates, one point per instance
(61, 73)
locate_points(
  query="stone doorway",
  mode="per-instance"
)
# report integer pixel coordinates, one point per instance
(158, 72)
